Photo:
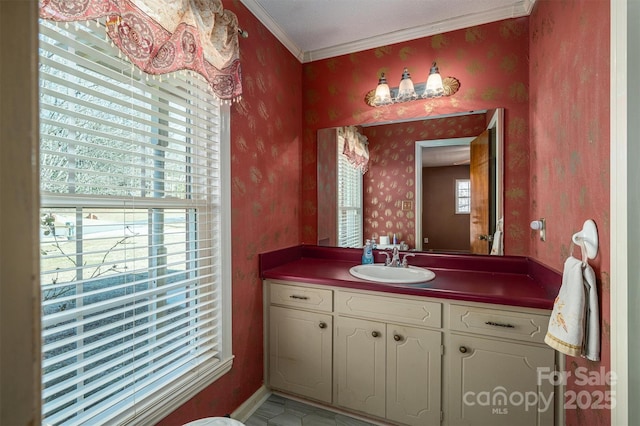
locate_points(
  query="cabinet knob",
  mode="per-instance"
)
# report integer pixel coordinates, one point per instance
(463, 349)
(322, 325)
(375, 334)
(397, 337)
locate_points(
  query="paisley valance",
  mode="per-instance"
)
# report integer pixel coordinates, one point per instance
(355, 148)
(163, 36)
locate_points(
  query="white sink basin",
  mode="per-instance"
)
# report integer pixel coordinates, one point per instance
(390, 274)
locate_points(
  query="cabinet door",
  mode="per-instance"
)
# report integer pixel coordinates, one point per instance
(360, 365)
(300, 352)
(414, 364)
(495, 383)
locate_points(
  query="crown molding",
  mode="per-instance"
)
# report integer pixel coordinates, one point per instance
(521, 8)
(275, 29)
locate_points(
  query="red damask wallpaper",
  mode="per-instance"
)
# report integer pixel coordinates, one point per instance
(491, 61)
(570, 142)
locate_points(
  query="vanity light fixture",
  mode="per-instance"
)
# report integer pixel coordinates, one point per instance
(434, 87)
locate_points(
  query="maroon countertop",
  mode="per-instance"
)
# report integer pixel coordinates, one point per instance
(503, 280)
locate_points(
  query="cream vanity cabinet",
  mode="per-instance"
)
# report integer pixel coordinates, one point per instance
(300, 340)
(386, 367)
(409, 360)
(493, 373)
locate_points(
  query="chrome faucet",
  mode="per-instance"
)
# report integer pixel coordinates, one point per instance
(405, 262)
(395, 258)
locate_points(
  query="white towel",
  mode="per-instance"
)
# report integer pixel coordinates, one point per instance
(574, 326)
(496, 248)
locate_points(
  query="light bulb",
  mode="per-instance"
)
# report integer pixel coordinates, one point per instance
(434, 86)
(406, 91)
(383, 94)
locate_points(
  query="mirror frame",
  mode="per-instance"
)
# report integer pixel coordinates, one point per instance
(497, 123)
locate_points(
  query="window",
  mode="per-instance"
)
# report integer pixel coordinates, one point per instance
(463, 196)
(349, 201)
(134, 219)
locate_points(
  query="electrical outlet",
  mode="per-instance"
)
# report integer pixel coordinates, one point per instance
(425, 240)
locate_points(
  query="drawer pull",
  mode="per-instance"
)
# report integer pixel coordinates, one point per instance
(322, 325)
(375, 334)
(397, 337)
(499, 324)
(293, 296)
(463, 349)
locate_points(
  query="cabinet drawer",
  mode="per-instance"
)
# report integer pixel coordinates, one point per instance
(301, 297)
(396, 310)
(495, 322)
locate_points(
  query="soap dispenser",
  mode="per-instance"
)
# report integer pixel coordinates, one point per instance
(367, 253)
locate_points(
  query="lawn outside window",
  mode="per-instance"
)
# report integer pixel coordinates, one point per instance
(134, 218)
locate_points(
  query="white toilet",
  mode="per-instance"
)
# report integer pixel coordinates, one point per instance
(215, 421)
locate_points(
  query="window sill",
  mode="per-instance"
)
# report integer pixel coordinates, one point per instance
(160, 405)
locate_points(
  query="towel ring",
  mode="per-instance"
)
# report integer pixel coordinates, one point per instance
(589, 236)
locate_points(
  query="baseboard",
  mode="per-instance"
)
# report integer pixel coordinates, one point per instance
(246, 409)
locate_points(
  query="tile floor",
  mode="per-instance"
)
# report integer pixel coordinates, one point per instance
(280, 411)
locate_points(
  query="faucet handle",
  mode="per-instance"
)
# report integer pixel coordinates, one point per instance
(387, 261)
(405, 262)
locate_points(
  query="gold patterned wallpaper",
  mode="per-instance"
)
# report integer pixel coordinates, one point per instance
(491, 61)
(570, 143)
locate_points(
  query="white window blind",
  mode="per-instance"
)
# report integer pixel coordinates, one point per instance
(135, 291)
(349, 201)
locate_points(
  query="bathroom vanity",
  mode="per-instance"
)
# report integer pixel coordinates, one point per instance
(462, 349)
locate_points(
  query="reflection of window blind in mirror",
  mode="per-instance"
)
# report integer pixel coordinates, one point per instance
(349, 201)
(463, 196)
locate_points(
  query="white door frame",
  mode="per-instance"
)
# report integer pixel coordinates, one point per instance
(419, 145)
(618, 210)
(496, 122)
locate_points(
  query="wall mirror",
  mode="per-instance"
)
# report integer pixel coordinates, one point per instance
(435, 183)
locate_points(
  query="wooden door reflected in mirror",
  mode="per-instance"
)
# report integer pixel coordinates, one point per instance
(480, 194)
